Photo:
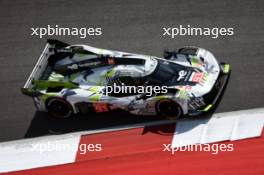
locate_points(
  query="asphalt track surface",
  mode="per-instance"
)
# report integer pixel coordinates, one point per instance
(131, 26)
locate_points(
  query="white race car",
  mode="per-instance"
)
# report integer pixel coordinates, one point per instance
(70, 79)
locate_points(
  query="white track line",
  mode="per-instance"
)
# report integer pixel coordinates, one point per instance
(220, 127)
(22, 154)
(32, 153)
(38, 153)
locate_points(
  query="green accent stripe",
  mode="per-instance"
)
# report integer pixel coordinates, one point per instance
(94, 89)
(95, 97)
(207, 108)
(160, 97)
(226, 68)
(44, 84)
(44, 97)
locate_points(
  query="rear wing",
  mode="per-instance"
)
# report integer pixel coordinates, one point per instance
(40, 67)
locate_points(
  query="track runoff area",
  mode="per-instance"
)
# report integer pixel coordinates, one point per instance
(230, 143)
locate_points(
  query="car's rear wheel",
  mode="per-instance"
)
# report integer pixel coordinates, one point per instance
(188, 50)
(58, 107)
(168, 109)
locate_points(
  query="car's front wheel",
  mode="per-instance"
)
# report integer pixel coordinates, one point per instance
(58, 107)
(168, 109)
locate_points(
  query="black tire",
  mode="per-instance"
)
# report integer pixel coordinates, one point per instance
(58, 107)
(188, 50)
(169, 109)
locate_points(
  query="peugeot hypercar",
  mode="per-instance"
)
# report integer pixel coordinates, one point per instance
(71, 79)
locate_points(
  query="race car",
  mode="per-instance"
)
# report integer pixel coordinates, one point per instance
(70, 79)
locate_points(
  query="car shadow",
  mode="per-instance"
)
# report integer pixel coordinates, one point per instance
(169, 129)
(43, 124)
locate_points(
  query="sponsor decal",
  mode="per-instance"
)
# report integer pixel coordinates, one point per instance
(196, 102)
(187, 88)
(182, 74)
(197, 77)
(64, 50)
(77, 66)
(101, 107)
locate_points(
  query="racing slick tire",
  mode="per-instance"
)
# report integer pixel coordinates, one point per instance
(188, 50)
(59, 107)
(169, 109)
